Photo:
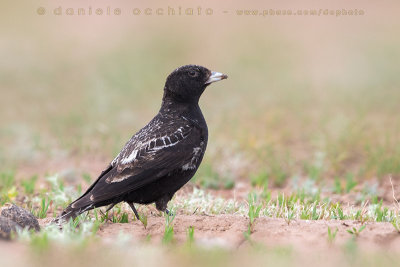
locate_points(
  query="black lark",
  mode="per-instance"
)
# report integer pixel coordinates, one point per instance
(163, 156)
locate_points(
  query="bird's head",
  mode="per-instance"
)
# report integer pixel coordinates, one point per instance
(187, 83)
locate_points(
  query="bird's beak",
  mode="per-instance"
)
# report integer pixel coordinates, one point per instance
(215, 77)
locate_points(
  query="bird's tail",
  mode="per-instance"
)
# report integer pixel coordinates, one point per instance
(74, 209)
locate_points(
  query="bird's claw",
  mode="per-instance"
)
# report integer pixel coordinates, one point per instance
(169, 213)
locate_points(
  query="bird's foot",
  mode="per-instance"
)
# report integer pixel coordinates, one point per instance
(168, 212)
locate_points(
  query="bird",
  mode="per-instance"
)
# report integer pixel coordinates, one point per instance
(161, 157)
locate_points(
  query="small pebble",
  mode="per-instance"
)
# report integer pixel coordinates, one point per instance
(7, 227)
(20, 216)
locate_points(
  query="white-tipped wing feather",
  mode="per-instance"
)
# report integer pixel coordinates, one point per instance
(157, 150)
(144, 144)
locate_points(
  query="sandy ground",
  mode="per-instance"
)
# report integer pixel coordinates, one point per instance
(307, 239)
(227, 231)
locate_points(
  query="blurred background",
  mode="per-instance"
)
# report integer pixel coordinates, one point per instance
(308, 96)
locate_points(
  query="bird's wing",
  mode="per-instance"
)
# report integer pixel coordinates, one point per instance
(146, 158)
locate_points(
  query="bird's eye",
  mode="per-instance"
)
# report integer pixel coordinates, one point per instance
(193, 73)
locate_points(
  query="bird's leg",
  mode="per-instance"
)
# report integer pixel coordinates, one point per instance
(161, 205)
(110, 207)
(134, 210)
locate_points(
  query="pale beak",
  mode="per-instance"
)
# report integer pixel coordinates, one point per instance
(215, 77)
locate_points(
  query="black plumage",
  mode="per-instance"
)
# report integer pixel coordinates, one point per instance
(163, 156)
